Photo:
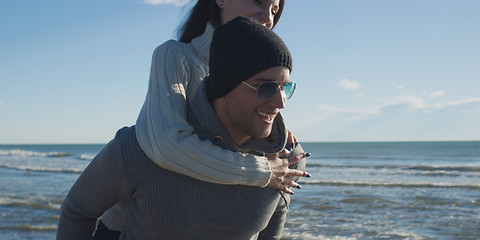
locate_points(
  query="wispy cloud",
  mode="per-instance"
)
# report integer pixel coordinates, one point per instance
(413, 103)
(157, 2)
(2, 103)
(461, 102)
(348, 84)
(352, 114)
(435, 94)
(399, 87)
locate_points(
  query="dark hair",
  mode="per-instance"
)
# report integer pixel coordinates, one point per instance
(208, 11)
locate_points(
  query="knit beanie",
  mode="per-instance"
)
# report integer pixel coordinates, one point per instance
(240, 49)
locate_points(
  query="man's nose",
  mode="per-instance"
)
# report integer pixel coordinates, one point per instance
(278, 100)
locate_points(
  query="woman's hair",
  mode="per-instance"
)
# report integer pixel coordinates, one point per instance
(208, 11)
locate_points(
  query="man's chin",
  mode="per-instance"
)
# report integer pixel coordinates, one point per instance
(264, 133)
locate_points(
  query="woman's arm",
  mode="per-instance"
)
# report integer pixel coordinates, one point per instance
(99, 187)
(166, 137)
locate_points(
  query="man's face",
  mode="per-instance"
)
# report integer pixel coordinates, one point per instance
(244, 115)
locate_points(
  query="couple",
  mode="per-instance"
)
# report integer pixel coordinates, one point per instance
(237, 108)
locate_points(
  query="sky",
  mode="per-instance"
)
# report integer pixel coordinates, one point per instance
(370, 70)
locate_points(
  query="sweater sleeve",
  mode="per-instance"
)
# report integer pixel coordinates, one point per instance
(166, 137)
(100, 186)
(275, 226)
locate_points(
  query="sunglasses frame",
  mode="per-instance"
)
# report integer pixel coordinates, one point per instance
(279, 86)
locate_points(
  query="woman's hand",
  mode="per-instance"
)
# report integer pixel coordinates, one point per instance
(291, 140)
(281, 177)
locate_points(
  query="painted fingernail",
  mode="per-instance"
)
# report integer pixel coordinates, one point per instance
(293, 145)
(299, 187)
(292, 193)
(308, 175)
(308, 154)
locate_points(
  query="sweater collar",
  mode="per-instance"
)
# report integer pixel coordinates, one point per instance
(206, 124)
(201, 44)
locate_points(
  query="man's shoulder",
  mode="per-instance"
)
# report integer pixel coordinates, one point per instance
(125, 132)
(126, 139)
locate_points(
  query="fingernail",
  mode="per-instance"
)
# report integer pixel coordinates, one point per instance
(299, 187)
(308, 175)
(296, 144)
(293, 145)
(308, 154)
(292, 193)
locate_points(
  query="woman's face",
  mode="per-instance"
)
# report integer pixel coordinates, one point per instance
(261, 10)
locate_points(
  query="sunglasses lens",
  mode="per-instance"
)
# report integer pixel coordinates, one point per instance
(267, 90)
(289, 88)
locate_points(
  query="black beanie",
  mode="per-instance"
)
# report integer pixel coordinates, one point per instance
(240, 49)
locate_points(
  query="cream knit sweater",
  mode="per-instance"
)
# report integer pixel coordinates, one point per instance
(165, 135)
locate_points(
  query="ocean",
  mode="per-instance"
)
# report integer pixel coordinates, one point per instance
(383, 190)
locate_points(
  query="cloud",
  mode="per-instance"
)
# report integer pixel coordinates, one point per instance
(461, 102)
(436, 94)
(413, 102)
(352, 114)
(348, 84)
(399, 103)
(2, 103)
(157, 2)
(399, 87)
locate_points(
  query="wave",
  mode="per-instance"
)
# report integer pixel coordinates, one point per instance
(42, 169)
(362, 157)
(386, 184)
(447, 168)
(36, 203)
(30, 227)
(311, 236)
(24, 153)
(86, 157)
(422, 167)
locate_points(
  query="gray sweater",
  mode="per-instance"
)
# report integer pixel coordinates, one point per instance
(161, 204)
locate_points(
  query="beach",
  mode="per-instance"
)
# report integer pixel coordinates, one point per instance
(382, 190)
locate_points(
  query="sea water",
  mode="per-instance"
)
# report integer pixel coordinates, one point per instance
(385, 190)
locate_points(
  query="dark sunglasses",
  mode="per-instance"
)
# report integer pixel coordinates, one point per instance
(267, 90)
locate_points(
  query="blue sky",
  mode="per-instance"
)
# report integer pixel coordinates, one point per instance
(76, 71)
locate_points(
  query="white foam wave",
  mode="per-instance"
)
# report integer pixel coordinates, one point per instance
(86, 157)
(24, 153)
(36, 203)
(29, 227)
(42, 168)
(388, 184)
(420, 167)
(309, 236)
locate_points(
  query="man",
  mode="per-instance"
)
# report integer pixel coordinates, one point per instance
(237, 108)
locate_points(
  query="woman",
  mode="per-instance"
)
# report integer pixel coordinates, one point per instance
(162, 129)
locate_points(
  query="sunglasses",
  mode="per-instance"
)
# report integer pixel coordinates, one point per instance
(267, 90)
